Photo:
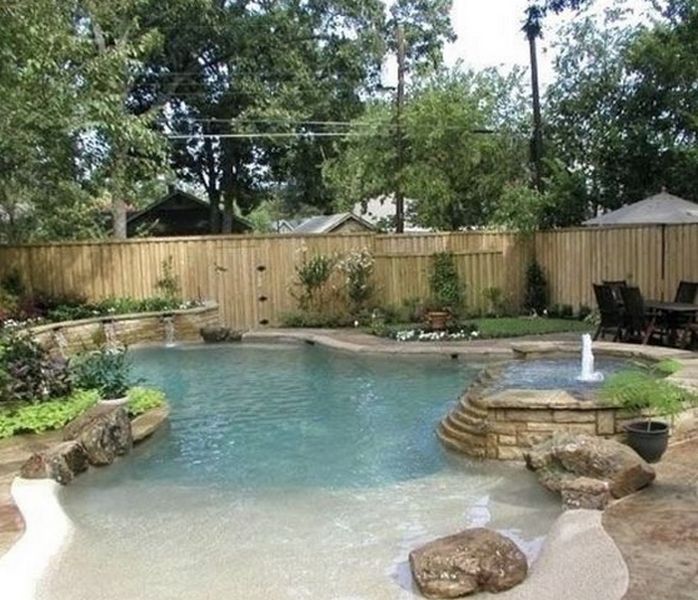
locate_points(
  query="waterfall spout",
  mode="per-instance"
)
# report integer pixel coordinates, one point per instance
(111, 341)
(60, 342)
(588, 374)
(168, 324)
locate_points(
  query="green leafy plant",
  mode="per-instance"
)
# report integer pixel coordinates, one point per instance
(326, 319)
(142, 399)
(444, 283)
(536, 299)
(106, 370)
(312, 276)
(168, 284)
(645, 388)
(53, 414)
(497, 301)
(28, 372)
(357, 267)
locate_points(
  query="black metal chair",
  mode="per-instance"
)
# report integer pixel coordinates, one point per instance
(687, 292)
(637, 322)
(615, 288)
(610, 312)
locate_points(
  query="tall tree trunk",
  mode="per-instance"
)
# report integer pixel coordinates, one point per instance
(118, 212)
(214, 198)
(537, 142)
(227, 226)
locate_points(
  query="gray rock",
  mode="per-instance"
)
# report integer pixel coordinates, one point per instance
(565, 457)
(61, 463)
(468, 562)
(105, 432)
(584, 492)
(145, 425)
(217, 335)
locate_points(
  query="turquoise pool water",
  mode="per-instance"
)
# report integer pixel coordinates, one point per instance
(286, 472)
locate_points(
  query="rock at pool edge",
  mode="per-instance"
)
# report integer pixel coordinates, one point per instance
(470, 561)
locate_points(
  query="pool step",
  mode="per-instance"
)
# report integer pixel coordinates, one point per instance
(461, 436)
(467, 423)
(463, 448)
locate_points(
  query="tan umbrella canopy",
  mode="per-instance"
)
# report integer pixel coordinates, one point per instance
(660, 209)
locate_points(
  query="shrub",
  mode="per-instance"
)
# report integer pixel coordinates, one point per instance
(53, 414)
(168, 284)
(358, 271)
(584, 312)
(28, 372)
(444, 282)
(106, 370)
(536, 289)
(312, 275)
(327, 319)
(142, 399)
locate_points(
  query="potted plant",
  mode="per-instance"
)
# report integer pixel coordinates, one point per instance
(647, 391)
(106, 370)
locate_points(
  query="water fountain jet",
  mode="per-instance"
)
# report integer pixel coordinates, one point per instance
(588, 375)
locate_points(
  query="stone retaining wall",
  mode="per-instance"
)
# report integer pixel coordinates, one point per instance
(504, 424)
(130, 329)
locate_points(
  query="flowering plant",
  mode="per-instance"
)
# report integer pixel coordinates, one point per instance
(424, 335)
(357, 267)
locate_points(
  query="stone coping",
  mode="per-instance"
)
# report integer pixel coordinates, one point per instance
(206, 306)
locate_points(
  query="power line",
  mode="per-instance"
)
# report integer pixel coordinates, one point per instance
(308, 134)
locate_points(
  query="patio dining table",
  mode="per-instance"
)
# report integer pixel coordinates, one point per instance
(674, 312)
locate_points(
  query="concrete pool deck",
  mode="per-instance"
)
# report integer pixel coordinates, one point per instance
(653, 531)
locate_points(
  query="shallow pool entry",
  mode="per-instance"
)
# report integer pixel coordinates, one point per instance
(286, 472)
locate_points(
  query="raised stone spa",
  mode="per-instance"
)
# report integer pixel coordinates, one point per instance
(493, 421)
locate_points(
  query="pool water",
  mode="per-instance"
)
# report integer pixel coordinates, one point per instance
(286, 472)
(553, 373)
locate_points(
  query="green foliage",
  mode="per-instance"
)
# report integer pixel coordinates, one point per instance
(168, 284)
(28, 373)
(322, 319)
(53, 414)
(357, 267)
(444, 282)
(107, 370)
(141, 400)
(536, 299)
(312, 275)
(455, 173)
(497, 300)
(637, 389)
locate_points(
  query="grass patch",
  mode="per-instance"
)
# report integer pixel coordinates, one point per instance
(520, 326)
(491, 328)
(142, 400)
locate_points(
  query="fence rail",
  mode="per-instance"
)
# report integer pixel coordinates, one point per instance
(251, 276)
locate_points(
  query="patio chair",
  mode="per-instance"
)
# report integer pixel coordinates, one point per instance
(638, 324)
(610, 311)
(615, 288)
(686, 292)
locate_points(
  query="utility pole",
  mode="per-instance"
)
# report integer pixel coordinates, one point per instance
(537, 141)
(399, 133)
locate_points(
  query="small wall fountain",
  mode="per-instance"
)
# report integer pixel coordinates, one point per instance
(170, 333)
(587, 374)
(60, 343)
(111, 340)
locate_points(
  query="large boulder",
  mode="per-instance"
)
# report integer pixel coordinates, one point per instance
(565, 457)
(143, 426)
(467, 562)
(62, 463)
(216, 335)
(105, 432)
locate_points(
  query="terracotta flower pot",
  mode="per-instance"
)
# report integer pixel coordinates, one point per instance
(437, 319)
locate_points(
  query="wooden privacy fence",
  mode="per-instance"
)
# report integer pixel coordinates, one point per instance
(654, 257)
(251, 276)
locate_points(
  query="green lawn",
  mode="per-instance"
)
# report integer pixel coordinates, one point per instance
(518, 326)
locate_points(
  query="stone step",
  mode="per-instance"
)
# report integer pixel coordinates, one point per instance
(466, 407)
(465, 422)
(451, 444)
(469, 438)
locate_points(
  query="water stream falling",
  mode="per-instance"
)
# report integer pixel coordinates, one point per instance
(168, 323)
(588, 374)
(60, 342)
(111, 341)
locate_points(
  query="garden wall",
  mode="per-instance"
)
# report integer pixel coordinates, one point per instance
(87, 334)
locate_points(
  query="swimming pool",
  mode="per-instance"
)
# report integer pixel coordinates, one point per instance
(286, 472)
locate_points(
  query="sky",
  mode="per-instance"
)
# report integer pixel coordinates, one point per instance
(489, 34)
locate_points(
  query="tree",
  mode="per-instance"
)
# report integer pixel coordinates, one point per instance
(621, 112)
(463, 145)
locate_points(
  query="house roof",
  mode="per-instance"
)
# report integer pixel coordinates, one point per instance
(328, 223)
(191, 198)
(380, 212)
(660, 209)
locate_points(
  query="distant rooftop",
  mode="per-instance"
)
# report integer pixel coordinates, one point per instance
(660, 209)
(329, 223)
